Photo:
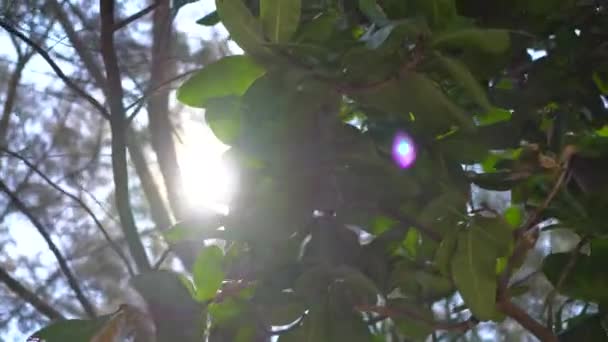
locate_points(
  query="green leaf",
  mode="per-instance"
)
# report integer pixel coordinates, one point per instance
(496, 232)
(439, 13)
(445, 251)
(226, 310)
(381, 224)
(208, 272)
(231, 75)
(411, 242)
(373, 12)
(223, 115)
(474, 273)
(210, 19)
(493, 116)
(433, 286)
(194, 230)
(418, 94)
(493, 41)
(168, 295)
(514, 216)
(280, 18)
(76, 330)
(243, 27)
(461, 74)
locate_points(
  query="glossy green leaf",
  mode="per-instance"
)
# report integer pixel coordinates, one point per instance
(514, 216)
(231, 75)
(493, 41)
(280, 18)
(208, 272)
(77, 330)
(461, 74)
(243, 27)
(474, 273)
(210, 19)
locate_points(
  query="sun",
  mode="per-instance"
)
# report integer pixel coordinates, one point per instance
(207, 181)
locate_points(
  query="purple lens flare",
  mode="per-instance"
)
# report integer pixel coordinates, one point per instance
(404, 150)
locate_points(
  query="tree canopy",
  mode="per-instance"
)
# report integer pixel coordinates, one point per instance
(361, 132)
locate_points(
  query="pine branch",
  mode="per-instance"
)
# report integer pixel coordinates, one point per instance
(63, 265)
(75, 198)
(68, 82)
(30, 297)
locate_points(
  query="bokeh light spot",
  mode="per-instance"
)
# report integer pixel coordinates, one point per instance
(404, 151)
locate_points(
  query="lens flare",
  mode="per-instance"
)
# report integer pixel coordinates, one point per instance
(404, 151)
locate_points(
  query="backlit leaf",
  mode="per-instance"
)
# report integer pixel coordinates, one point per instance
(474, 273)
(280, 18)
(231, 75)
(208, 272)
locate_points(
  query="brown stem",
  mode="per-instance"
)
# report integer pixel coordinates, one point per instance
(520, 316)
(415, 315)
(88, 307)
(114, 92)
(29, 296)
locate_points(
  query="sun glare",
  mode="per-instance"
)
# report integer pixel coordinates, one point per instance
(207, 181)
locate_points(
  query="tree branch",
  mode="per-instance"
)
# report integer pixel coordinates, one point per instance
(520, 316)
(88, 307)
(80, 202)
(68, 82)
(29, 296)
(415, 315)
(160, 126)
(114, 93)
(136, 16)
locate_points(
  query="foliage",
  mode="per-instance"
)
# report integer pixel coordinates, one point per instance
(311, 111)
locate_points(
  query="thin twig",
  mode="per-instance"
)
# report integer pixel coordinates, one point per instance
(415, 315)
(135, 16)
(86, 304)
(162, 258)
(68, 82)
(79, 201)
(152, 91)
